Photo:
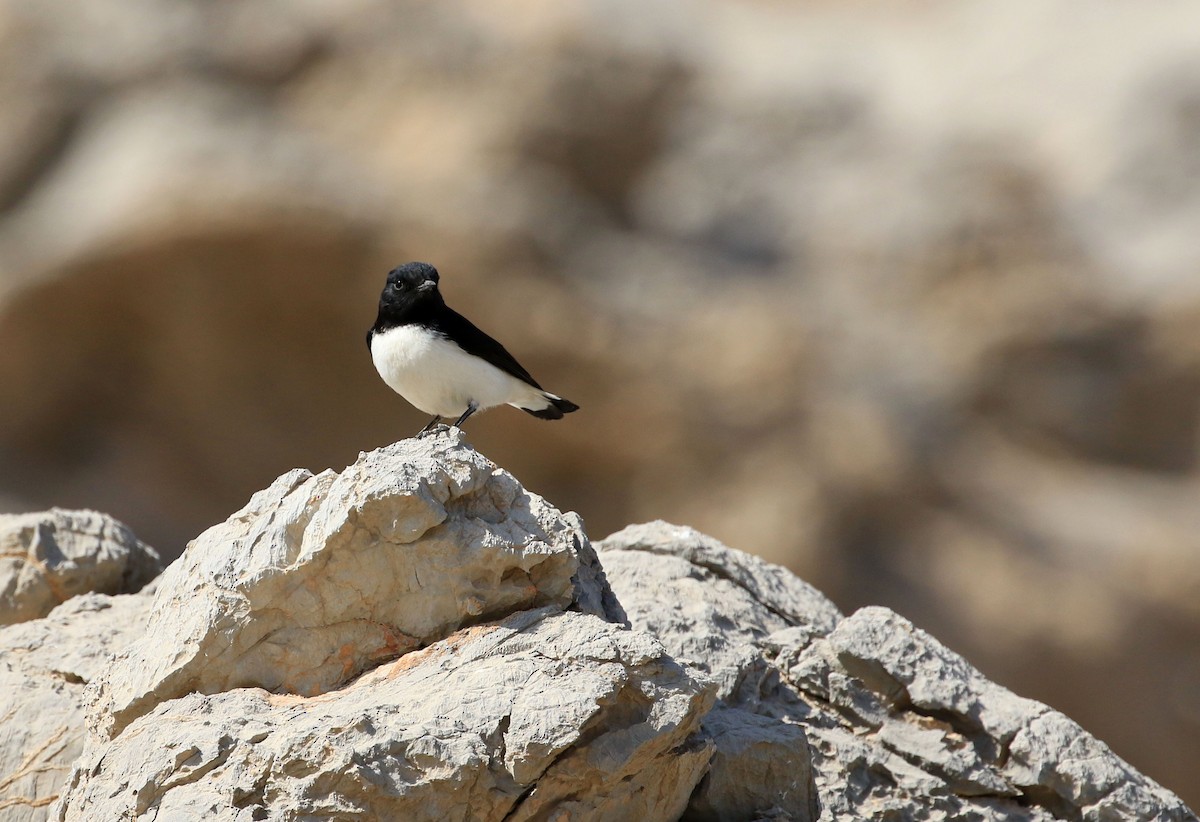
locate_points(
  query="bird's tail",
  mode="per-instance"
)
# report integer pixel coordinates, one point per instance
(555, 407)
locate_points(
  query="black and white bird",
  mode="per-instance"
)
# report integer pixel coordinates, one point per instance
(440, 362)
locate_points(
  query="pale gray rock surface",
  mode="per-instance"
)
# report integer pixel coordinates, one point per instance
(419, 637)
(899, 717)
(895, 725)
(45, 665)
(546, 714)
(47, 557)
(714, 607)
(760, 767)
(722, 603)
(321, 577)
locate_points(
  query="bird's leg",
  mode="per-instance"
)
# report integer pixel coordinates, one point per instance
(429, 425)
(471, 409)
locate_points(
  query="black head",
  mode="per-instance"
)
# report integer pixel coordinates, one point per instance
(408, 285)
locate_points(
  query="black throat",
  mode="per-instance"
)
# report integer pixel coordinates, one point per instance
(423, 308)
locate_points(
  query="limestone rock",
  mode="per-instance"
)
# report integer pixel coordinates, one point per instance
(713, 607)
(724, 602)
(50, 556)
(321, 577)
(544, 713)
(896, 723)
(421, 638)
(937, 725)
(761, 766)
(45, 665)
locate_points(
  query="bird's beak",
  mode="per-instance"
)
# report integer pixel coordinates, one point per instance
(428, 285)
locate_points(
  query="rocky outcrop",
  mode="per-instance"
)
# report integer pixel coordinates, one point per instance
(542, 713)
(78, 559)
(48, 557)
(320, 577)
(415, 638)
(418, 637)
(898, 716)
(45, 665)
(897, 725)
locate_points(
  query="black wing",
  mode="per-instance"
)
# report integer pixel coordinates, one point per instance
(470, 339)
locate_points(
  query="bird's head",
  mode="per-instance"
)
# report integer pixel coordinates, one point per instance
(409, 284)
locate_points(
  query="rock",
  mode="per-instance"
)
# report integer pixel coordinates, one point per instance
(50, 556)
(760, 767)
(418, 637)
(543, 715)
(714, 607)
(895, 723)
(321, 577)
(984, 748)
(45, 665)
(728, 601)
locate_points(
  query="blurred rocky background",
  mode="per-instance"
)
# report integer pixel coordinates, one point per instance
(905, 297)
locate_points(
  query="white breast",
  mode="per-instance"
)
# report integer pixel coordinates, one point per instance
(438, 377)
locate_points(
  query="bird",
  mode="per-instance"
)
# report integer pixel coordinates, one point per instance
(440, 362)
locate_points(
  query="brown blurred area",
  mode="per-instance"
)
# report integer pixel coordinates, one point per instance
(903, 297)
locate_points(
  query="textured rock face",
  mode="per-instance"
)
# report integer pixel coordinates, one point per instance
(720, 603)
(420, 638)
(45, 665)
(895, 724)
(714, 607)
(415, 638)
(320, 577)
(543, 715)
(901, 717)
(48, 557)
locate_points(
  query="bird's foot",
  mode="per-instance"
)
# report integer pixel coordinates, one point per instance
(429, 426)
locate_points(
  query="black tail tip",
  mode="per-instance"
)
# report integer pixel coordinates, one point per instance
(555, 410)
(565, 406)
